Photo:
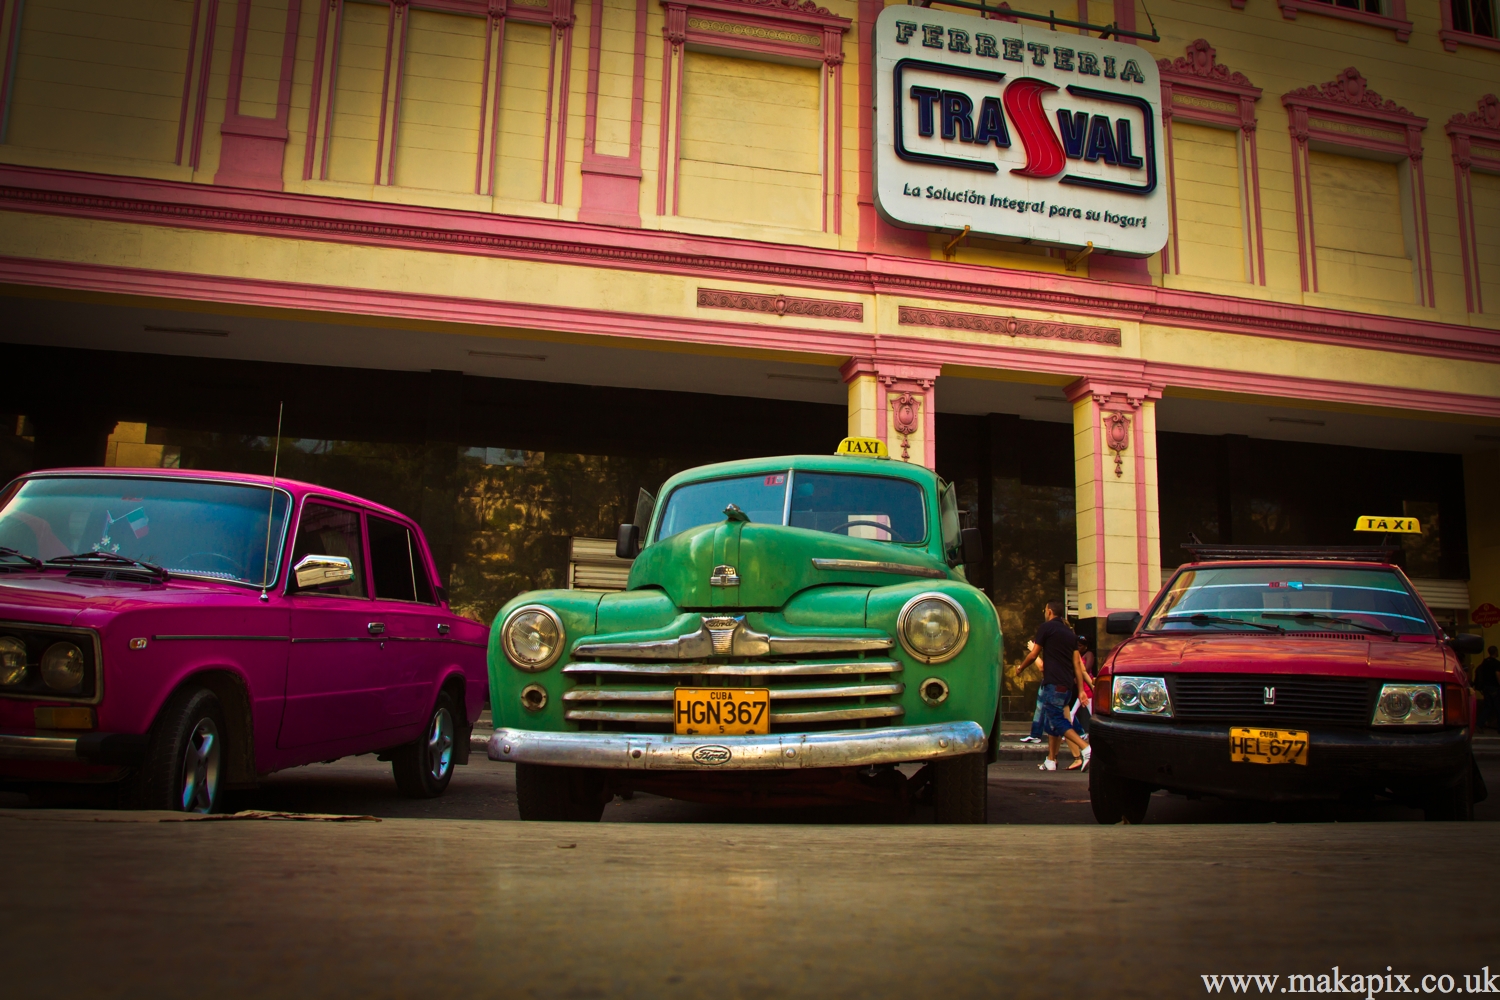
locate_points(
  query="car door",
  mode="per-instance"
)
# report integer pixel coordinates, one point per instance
(335, 685)
(405, 604)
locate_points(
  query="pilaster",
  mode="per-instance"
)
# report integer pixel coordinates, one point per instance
(893, 399)
(1119, 535)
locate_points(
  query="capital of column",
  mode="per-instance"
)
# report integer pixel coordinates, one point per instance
(1113, 395)
(892, 372)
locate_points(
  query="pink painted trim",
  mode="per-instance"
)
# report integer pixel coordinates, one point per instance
(1108, 371)
(838, 149)
(1396, 22)
(1171, 254)
(357, 222)
(1299, 151)
(1312, 232)
(333, 86)
(1453, 39)
(1260, 239)
(1424, 234)
(489, 180)
(677, 128)
(1101, 555)
(1142, 535)
(667, 49)
(565, 35)
(547, 126)
(401, 10)
(1125, 18)
(638, 86)
(385, 90)
(869, 10)
(205, 69)
(591, 88)
(484, 103)
(187, 78)
(310, 146)
(237, 58)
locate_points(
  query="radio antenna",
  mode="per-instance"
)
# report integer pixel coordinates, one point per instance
(265, 572)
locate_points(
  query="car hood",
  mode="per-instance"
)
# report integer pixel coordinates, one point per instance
(60, 599)
(773, 563)
(1279, 654)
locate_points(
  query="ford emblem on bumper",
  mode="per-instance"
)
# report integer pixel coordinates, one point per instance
(712, 755)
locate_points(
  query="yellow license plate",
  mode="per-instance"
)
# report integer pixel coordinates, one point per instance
(1267, 746)
(721, 711)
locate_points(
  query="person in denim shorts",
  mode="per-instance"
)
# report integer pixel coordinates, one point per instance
(1062, 674)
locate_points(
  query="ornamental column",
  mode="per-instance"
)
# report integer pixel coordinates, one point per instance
(892, 400)
(1119, 534)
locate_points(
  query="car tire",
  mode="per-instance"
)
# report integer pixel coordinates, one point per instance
(424, 766)
(559, 794)
(960, 789)
(1116, 799)
(186, 757)
(1453, 802)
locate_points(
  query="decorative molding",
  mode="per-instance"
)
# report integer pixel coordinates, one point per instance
(368, 223)
(1474, 139)
(611, 185)
(1396, 21)
(781, 305)
(1197, 88)
(903, 358)
(252, 148)
(1346, 112)
(1009, 326)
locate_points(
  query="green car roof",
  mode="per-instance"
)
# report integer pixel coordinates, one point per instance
(813, 463)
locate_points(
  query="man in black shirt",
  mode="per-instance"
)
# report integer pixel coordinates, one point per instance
(1487, 680)
(1062, 674)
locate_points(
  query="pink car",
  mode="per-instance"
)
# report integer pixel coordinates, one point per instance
(183, 632)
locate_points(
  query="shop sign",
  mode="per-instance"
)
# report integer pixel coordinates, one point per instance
(1018, 132)
(1486, 616)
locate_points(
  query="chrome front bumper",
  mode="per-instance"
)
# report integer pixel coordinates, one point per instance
(653, 752)
(88, 748)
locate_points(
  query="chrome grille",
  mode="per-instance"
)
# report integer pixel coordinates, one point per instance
(1240, 699)
(839, 693)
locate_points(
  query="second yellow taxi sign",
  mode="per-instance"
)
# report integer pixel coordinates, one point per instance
(868, 447)
(1395, 525)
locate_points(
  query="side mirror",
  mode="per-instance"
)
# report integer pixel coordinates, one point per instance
(1122, 622)
(628, 541)
(1467, 642)
(971, 544)
(314, 571)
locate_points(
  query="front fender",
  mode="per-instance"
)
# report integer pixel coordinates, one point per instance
(578, 611)
(973, 676)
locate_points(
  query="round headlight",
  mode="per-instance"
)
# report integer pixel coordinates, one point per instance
(12, 661)
(533, 637)
(1397, 704)
(1424, 701)
(62, 667)
(933, 627)
(1153, 697)
(1127, 695)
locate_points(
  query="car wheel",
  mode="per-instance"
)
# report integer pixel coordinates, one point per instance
(424, 766)
(960, 789)
(184, 761)
(566, 794)
(1453, 802)
(1116, 799)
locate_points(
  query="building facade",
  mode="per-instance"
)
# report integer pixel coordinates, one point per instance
(508, 262)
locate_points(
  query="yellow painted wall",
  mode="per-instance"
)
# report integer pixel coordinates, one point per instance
(1481, 484)
(1357, 222)
(616, 66)
(749, 145)
(1210, 212)
(523, 112)
(356, 100)
(263, 45)
(100, 77)
(1486, 188)
(438, 144)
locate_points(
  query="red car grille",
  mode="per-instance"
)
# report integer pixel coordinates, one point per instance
(1242, 699)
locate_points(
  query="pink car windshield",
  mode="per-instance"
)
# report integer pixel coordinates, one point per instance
(191, 528)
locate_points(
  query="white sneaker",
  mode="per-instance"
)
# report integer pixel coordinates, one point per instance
(1029, 739)
(1088, 755)
(1047, 765)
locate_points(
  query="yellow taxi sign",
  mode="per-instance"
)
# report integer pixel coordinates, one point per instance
(868, 447)
(1394, 525)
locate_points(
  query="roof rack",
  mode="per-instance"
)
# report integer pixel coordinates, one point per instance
(1345, 553)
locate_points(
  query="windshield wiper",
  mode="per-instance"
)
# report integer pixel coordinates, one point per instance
(113, 559)
(32, 561)
(1312, 616)
(1202, 619)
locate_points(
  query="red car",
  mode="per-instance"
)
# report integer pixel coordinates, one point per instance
(1282, 679)
(177, 633)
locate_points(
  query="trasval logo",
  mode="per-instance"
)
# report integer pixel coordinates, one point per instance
(1080, 135)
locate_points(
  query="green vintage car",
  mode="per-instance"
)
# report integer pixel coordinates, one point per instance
(794, 629)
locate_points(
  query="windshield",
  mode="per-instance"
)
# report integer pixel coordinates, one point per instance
(878, 507)
(214, 530)
(1295, 598)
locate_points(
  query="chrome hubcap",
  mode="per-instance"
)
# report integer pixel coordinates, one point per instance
(440, 745)
(200, 768)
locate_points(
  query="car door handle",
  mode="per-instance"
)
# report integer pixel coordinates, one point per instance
(376, 628)
(444, 628)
